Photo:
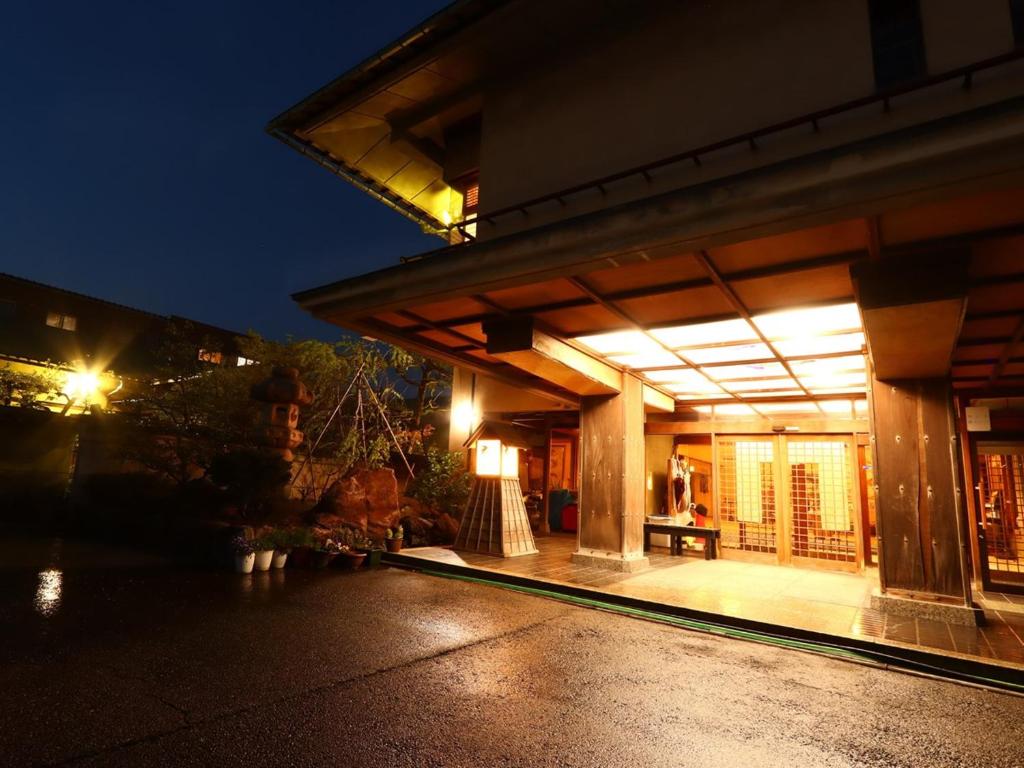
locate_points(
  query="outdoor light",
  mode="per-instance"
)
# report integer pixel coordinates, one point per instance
(495, 520)
(81, 385)
(464, 416)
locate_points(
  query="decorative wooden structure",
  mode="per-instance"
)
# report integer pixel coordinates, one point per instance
(495, 521)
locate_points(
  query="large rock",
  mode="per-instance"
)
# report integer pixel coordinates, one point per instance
(366, 499)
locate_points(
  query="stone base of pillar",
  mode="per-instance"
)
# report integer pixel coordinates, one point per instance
(951, 613)
(613, 561)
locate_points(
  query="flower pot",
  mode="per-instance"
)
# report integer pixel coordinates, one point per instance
(372, 556)
(280, 557)
(244, 563)
(301, 557)
(263, 559)
(349, 561)
(322, 559)
(394, 545)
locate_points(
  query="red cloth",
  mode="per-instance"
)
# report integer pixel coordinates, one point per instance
(569, 514)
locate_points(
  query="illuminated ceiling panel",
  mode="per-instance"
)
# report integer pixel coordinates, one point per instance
(748, 371)
(655, 358)
(819, 350)
(727, 354)
(701, 334)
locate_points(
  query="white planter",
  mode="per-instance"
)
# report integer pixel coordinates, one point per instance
(263, 558)
(244, 563)
(279, 559)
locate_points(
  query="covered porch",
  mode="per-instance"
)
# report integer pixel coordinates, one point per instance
(832, 603)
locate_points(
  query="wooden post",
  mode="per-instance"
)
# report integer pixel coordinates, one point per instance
(612, 488)
(922, 551)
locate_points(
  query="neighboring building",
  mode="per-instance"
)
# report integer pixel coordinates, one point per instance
(781, 240)
(99, 351)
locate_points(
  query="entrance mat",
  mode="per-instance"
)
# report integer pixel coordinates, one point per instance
(895, 657)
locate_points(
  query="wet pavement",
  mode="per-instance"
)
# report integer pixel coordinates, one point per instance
(114, 658)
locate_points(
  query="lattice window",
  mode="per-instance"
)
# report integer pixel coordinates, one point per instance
(821, 498)
(747, 495)
(1001, 484)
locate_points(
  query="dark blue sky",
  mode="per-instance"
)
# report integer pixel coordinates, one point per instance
(134, 165)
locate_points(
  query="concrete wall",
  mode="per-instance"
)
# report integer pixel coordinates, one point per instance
(685, 74)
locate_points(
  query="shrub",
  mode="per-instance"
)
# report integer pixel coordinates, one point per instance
(442, 484)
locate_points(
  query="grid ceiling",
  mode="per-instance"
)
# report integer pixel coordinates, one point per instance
(749, 362)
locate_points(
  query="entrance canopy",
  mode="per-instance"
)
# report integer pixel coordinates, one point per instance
(763, 325)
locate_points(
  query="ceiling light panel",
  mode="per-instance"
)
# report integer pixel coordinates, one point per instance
(655, 358)
(821, 345)
(620, 342)
(732, 353)
(814, 321)
(700, 334)
(748, 371)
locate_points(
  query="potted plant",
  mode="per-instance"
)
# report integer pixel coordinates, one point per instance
(263, 549)
(349, 558)
(368, 548)
(301, 546)
(393, 539)
(245, 556)
(282, 541)
(326, 553)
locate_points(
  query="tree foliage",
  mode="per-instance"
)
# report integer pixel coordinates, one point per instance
(370, 399)
(27, 388)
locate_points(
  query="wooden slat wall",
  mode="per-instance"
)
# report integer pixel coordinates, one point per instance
(917, 511)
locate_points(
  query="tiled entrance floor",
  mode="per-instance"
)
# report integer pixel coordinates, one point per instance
(822, 601)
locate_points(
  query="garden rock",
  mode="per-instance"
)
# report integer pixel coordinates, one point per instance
(366, 499)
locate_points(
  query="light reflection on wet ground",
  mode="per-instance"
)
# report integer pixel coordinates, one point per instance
(48, 592)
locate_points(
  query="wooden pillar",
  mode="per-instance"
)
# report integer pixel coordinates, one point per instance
(612, 489)
(922, 542)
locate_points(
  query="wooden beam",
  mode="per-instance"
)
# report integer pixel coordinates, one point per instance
(517, 342)
(814, 426)
(656, 400)
(912, 308)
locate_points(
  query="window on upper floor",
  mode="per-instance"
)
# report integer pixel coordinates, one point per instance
(1017, 20)
(897, 42)
(240, 361)
(210, 356)
(471, 204)
(64, 322)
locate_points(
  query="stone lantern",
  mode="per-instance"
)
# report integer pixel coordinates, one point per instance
(495, 521)
(282, 394)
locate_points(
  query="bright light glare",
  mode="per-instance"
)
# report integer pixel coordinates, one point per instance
(759, 384)
(705, 333)
(836, 406)
(464, 416)
(833, 380)
(815, 321)
(48, 592)
(81, 385)
(731, 409)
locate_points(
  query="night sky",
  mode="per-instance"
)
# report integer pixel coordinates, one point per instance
(134, 165)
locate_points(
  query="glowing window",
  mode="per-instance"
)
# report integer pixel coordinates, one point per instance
(64, 322)
(209, 356)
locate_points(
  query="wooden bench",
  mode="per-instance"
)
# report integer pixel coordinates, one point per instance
(678, 532)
